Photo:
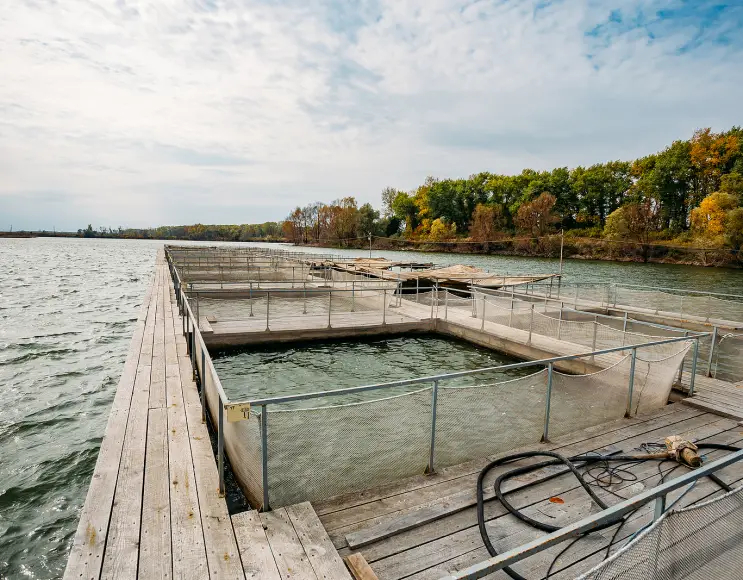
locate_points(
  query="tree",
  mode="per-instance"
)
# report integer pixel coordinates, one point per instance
(537, 217)
(388, 196)
(636, 222)
(367, 221)
(734, 230)
(487, 221)
(709, 218)
(406, 210)
(441, 230)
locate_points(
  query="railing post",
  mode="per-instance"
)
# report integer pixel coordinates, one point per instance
(434, 400)
(693, 367)
(417, 285)
(268, 309)
(203, 386)
(264, 455)
(384, 306)
(251, 298)
(628, 412)
(595, 332)
(482, 326)
(330, 305)
(547, 403)
(198, 316)
(433, 291)
(304, 299)
(711, 351)
(353, 295)
(531, 322)
(559, 322)
(446, 304)
(220, 448)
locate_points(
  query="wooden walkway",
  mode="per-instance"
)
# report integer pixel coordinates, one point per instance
(153, 509)
(426, 527)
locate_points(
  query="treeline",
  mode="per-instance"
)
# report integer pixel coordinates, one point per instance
(269, 231)
(689, 194)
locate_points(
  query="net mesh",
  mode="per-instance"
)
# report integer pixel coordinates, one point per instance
(728, 364)
(320, 452)
(474, 422)
(695, 543)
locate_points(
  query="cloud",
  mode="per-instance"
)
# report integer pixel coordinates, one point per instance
(135, 112)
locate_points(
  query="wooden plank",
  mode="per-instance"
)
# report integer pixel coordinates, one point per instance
(291, 560)
(189, 553)
(257, 559)
(723, 411)
(317, 545)
(155, 557)
(122, 542)
(359, 567)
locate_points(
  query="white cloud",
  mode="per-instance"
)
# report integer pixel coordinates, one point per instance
(142, 112)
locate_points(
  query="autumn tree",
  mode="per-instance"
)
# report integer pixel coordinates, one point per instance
(441, 230)
(537, 217)
(487, 222)
(708, 220)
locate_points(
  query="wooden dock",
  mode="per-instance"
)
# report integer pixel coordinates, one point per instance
(426, 527)
(153, 509)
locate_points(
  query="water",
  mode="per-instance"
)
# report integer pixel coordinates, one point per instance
(251, 373)
(67, 312)
(67, 309)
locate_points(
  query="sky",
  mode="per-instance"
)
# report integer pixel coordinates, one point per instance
(140, 113)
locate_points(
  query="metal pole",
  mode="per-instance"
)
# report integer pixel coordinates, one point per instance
(268, 300)
(531, 322)
(251, 298)
(628, 412)
(384, 306)
(595, 331)
(220, 449)
(330, 305)
(711, 351)
(417, 284)
(198, 316)
(432, 296)
(203, 386)
(304, 300)
(559, 323)
(709, 306)
(693, 367)
(482, 326)
(446, 304)
(353, 295)
(546, 432)
(660, 507)
(264, 455)
(434, 399)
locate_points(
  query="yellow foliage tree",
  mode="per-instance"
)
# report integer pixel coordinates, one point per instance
(709, 218)
(440, 230)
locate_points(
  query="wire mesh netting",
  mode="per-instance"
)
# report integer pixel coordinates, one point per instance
(728, 363)
(474, 422)
(699, 542)
(320, 452)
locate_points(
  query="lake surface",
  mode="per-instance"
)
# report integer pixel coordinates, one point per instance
(67, 313)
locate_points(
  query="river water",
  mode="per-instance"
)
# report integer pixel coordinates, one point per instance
(67, 313)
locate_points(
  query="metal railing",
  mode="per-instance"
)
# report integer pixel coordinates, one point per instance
(595, 521)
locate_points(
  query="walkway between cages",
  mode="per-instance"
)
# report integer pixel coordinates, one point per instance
(153, 508)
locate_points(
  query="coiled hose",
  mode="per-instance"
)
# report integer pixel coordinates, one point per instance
(586, 460)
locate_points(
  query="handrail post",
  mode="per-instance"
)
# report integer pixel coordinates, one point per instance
(531, 322)
(711, 351)
(434, 400)
(595, 332)
(353, 295)
(559, 323)
(268, 301)
(547, 403)
(446, 304)
(432, 298)
(628, 412)
(304, 300)
(330, 305)
(220, 448)
(198, 316)
(384, 306)
(250, 299)
(264, 456)
(660, 507)
(693, 367)
(482, 326)
(203, 386)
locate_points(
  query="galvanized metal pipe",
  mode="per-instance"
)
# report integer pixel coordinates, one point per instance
(630, 390)
(220, 449)
(330, 305)
(268, 302)
(693, 376)
(547, 404)
(531, 322)
(711, 351)
(203, 386)
(264, 456)
(434, 400)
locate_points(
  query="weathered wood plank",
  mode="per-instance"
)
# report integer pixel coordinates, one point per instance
(318, 547)
(291, 560)
(155, 557)
(189, 553)
(257, 559)
(122, 542)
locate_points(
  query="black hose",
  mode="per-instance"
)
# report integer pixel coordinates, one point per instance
(585, 460)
